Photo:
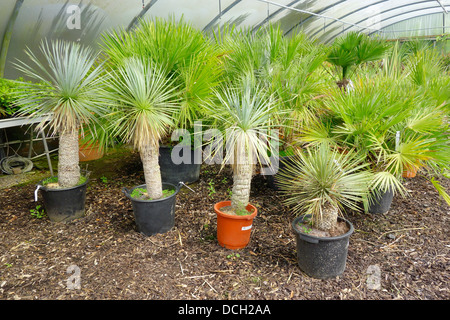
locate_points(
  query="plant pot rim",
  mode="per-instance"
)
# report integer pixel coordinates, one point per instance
(128, 192)
(43, 187)
(317, 238)
(226, 203)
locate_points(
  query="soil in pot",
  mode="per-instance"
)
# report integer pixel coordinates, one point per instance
(339, 229)
(153, 216)
(233, 230)
(322, 257)
(63, 204)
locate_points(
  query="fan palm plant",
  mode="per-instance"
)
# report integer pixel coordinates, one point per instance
(353, 49)
(67, 97)
(143, 98)
(391, 129)
(184, 53)
(283, 66)
(320, 182)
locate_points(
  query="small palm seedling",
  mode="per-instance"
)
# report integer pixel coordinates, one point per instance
(37, 212)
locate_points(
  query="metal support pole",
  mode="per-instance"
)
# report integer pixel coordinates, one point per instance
(47, 153)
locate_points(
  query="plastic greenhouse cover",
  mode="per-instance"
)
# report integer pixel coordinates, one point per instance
(26, 22)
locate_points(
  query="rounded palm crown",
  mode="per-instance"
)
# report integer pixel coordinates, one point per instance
(322, 178)
(68, 85)
(142, 98)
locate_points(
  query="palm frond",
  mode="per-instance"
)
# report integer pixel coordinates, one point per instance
(319, 177)
(143, 99)
(67, 88)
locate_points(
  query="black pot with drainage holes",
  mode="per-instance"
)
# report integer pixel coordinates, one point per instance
(64, 204)
(321, 257)
(154, 216)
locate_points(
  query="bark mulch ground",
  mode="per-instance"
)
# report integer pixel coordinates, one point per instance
(408, 247)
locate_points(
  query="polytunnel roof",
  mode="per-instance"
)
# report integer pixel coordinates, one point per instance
(323, 19)
(332, 18)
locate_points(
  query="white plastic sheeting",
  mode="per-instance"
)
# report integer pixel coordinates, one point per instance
(85, 20)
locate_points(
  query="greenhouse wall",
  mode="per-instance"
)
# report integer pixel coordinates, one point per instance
(85, 20)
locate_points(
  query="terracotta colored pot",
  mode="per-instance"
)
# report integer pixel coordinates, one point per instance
(233, 231)
(410, 172)
(89, 152)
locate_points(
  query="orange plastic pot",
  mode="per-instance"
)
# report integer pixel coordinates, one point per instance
(233, 232)
(90, 151)
(410, 172)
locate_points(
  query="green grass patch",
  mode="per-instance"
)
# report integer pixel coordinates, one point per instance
(141, 194)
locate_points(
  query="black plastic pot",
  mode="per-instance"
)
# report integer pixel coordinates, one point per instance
(154, 216)
(272, 179)
(382, 203)
(64, 204)
(321, 257)
(175, 173)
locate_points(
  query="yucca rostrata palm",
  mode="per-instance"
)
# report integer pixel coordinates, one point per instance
(245, 117)
(143, 100)
(67, 97)
(320, 182)
(182, 51)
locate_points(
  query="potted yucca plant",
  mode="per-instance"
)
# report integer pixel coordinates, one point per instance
(317, 185)
(244, 115)
(191, 59)
(142, 99)
(67, 100)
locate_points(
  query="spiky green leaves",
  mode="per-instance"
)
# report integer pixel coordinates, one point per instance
(142, 98)
(319, 178)
(68, 89)
(245, 116)
(353, 49)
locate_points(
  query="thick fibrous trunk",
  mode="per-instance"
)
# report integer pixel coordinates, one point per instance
(328, 220)
(152, 174)
(242, 177)
(68, 162)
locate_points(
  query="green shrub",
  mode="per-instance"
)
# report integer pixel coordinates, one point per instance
(7, 105)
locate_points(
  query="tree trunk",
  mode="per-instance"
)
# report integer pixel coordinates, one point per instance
(152, 174)
(328, 219)
(242, 177)
(68, 162)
